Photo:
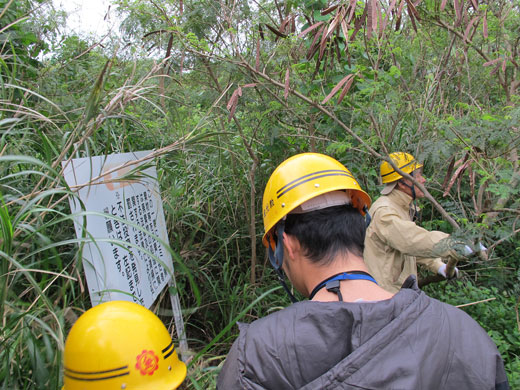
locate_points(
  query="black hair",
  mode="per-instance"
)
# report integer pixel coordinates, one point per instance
(325, 233)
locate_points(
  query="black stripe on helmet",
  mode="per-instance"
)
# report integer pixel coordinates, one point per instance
(393, 170)
(101, 375)
(165, 350)
(168, 347)
(96, 372)
(339, 173)
(312, 174)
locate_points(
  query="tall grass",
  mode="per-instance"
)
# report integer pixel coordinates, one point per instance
(42, 287)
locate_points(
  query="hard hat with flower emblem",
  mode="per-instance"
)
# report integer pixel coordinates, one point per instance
(121, 345)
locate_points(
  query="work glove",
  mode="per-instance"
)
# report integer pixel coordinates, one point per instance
(442, 271)
(455, 249)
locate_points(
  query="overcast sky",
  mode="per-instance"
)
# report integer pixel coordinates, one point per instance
(88, 16)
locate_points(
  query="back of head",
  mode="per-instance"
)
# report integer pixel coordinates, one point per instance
(300, 179)
(324, 233)
(121, 345)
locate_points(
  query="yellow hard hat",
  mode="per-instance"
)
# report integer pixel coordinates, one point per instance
(121, 345)
(303, 177)
(404, 161)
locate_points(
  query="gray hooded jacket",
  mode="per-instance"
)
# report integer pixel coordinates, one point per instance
(411, 341)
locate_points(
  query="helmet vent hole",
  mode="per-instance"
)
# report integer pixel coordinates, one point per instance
(123, 386)
(169, 368)
(283, 204)
(316, 185)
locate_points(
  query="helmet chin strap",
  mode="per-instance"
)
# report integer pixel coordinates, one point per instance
(276, 259)
(414, 197)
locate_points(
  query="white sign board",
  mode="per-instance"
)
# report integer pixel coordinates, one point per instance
(120, 271)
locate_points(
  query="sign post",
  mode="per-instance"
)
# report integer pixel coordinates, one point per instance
(123, 259)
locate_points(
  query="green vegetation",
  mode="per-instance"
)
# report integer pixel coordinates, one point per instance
(229, 90)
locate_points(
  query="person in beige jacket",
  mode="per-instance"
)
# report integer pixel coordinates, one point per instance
(394, 244)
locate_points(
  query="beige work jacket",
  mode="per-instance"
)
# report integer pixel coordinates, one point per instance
(394, 244)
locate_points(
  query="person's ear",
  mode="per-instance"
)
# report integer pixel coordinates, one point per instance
(291, 244)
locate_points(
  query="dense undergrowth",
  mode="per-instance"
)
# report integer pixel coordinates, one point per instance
(229, 99)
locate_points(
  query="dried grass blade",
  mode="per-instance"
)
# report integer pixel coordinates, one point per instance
(495, 69)
(458, 14)
(471, 181)
(412, 19)
(344, 28)
(492, 62)
(309, 29)
(375, 14)
(468, 28)
(275, 31)
(352, 8)
(399, 15)
(283, 26)
(389, 12)
(456, 175)
(345, 90)
(337, 88)
(257, 59)
(370, 18)
(327, 11)
(233, 102)
(413, 10)
(323, 44)
(485, 25)
(333, 25)
(286, 89)
(313, 48)
(448, 173)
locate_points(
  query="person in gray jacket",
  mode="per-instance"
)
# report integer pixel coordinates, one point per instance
(350, 334)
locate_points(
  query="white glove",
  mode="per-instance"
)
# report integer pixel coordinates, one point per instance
(442, 271)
